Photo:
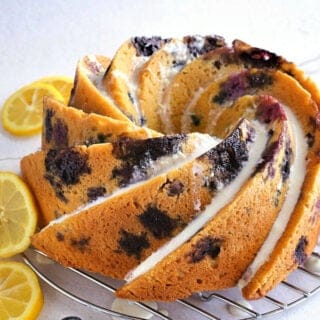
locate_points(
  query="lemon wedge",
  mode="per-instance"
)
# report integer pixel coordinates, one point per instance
(21, 296)
(18, 215)
(22, 112)
(63, 84)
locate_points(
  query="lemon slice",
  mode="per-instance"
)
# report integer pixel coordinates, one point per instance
(22, 112)
(18, 215)
(63, 84)
(20, 293)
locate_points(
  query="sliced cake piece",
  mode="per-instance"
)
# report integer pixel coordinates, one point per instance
(121, 79)
(220, 95)
(158, 72)
(64, 179)
(261, 58)
(113, 235)
(295, 232)
(68, 127)
(88, 94)
(214, 252)
(186, 88)
(190, 82)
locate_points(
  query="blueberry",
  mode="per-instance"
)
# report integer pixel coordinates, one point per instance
(175, 188)
(95, 192)
(208, 246)
(158, 222)
(137, 156)
(81, 243)
(133, 244)
(147, 46)
(300, 256)
(260, 58)
(66, 165)
(60, 134)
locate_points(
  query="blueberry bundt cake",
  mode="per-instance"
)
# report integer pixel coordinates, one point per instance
(196, 224)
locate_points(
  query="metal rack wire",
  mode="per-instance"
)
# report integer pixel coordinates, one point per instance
(210, 305)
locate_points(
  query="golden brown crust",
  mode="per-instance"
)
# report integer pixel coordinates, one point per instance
(88, 95)
(67, 127)
(296, 243)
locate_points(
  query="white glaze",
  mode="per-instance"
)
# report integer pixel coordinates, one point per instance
(237, 312)
(90, 58)
(180, 52)
(220, 200)
(185, 121)
(132, 80)
(298, 171)
(202, 143)
(97, 79)
(131, 309)
(178, 49)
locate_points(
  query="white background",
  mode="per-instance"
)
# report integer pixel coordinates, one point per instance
(40, 38)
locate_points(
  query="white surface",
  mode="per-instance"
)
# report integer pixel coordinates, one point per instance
(40, 38)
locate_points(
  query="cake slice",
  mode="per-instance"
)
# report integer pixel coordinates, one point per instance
(218, 96)
(158, 72)
(288, 247)
(68, 127)
(113, 235)
(64, 179)
(213, 253)
(88, 94)
(261, 58)
(190, 82)
(121, 79)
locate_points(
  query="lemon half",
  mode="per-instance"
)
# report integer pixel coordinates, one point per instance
(18, 215)
(22, 112)
(21, 296)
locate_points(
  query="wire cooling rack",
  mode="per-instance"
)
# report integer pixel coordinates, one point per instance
(216, 305)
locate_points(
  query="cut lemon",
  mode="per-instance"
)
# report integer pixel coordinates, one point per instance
(63, 84)
(20, 293)
(18, 215)
(22, 112)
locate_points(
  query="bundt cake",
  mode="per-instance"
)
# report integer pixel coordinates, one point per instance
(243, 212)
